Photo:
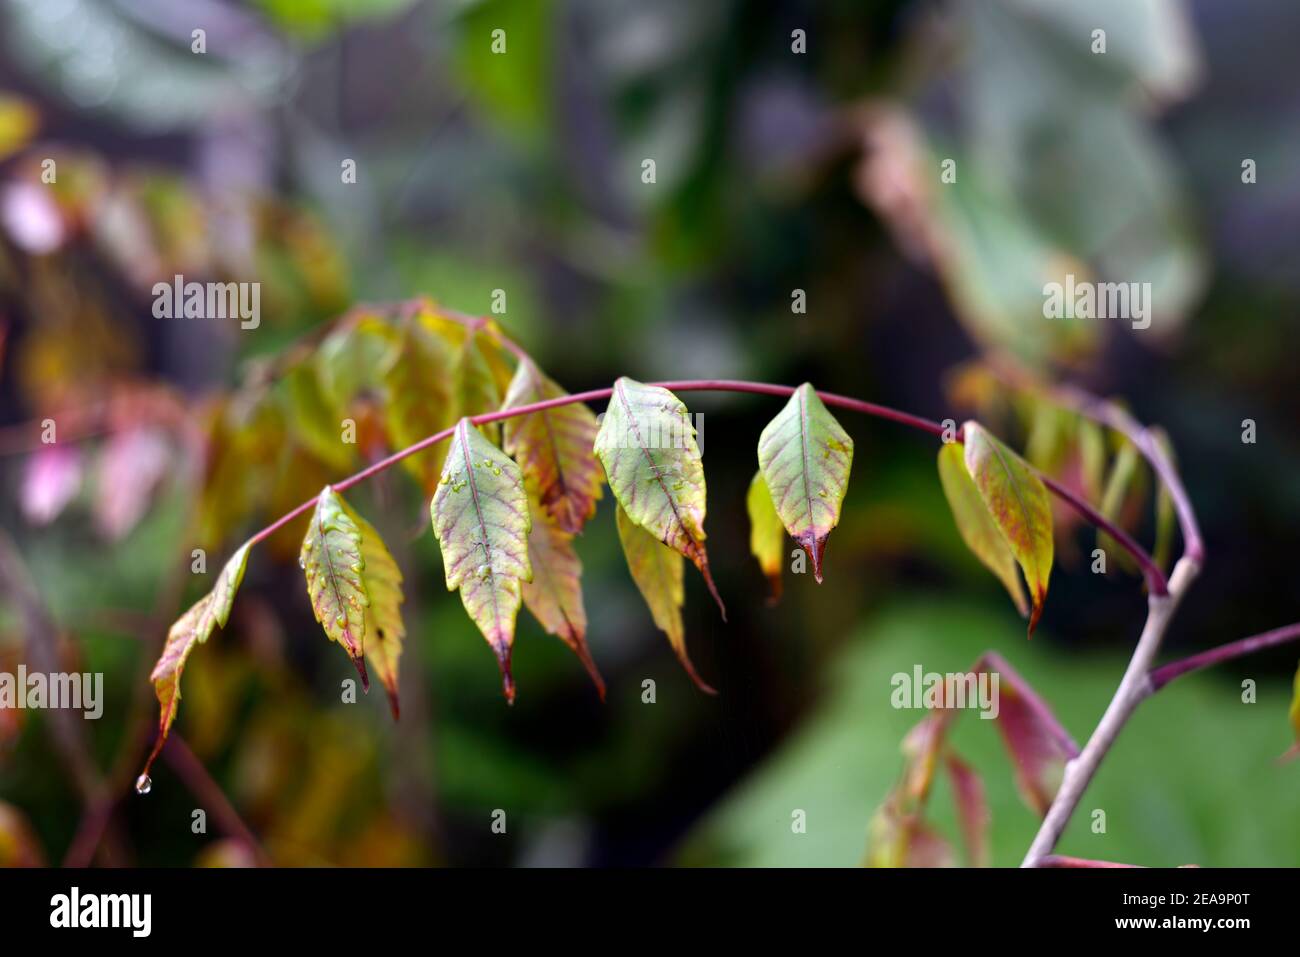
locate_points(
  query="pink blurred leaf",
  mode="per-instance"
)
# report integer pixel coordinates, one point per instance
(131, 465)
(50, 481)
(972, 808)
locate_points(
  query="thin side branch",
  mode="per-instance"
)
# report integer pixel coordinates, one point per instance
(1215, 656)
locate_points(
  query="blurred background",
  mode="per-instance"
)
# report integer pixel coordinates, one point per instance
(797, 229)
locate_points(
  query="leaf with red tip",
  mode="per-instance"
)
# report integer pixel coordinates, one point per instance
(652, 462)
(1018, 504)
(333, 565)
(480, 515)
(554, 596)
(976, 525)
(766, 535)
(658, 573)
(384, 626)
(554, 448)
(191, 629)
(805, 456)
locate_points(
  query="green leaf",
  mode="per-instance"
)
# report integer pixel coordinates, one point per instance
(332, 561)
(647, 445)
(1166, 517)
(1017, 501)
(313, 419)
(554, 448)
(475, 385)
(419, 400)
(766, 534)
(480, 515)
(384, 627)
(976, 525)
(191, 629)
(658, 573)
(805, 457)
(554, 596)
(1125, 473)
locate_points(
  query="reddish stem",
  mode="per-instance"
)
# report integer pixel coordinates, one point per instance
(1237, 649)
(1154, 576)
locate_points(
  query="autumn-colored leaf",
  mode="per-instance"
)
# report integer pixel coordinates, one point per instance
(132, 464)
(384, 626)
(1017, 501)
(766, 534)
(480, 515)
(554, 448)
(313, 419)
(191, 629)
(475, 384)
(658, 573)
(554, 596)
(972, 808)
(976, 525)
(1122, 485)
(647, 445)
(805, 456)
(1039, 747)
(418, 398)
(332, 562)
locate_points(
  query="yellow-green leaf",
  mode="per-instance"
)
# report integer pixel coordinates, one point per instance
(766, 534)
(480, 515)
(658, 573)
(554, 596)
(976, 525)
(384, 627)
(1295, 717)
(333, 565)
(652, 463)
(554, 448)
(805, 457)
(191, 629)
(1017, 501)
(418, 398)
(313, 419)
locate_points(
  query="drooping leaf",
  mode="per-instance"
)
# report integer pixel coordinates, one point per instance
(554, 596)
(766, 534)
(191, 629)
(475, 383)
(1092, 457)
(1039, 747)
(554, 448)
(1017, 501)
(314, 421)
(658, 573)
(351, 360)
(331, 560)
(480, 515)
(384, 626)
(419, 399)
(805, 457)
(647, 445)
(976, 525)
(972, 808)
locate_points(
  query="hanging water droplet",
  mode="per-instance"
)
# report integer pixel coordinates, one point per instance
(143, 784)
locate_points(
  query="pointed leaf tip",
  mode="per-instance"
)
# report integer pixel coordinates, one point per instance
(1018, 505)
(805, 456)
(658, 573)
(481, 517)
(648, 448)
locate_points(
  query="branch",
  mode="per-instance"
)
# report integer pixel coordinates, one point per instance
(1237, 649)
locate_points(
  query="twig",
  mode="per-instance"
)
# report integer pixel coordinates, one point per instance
(1237, 649)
